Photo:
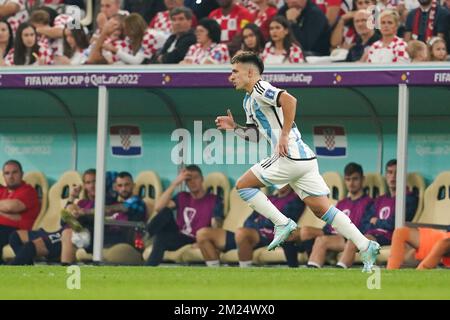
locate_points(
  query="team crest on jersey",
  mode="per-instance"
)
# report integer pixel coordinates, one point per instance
(269, 94)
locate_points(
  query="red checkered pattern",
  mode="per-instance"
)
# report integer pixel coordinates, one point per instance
(19, 17)
(217, 53)
(295, 54)
(349, 35)
(250, 6)
(9, 59)
(149, 44)
(122, 44)
(233, 23)
(62, 20)
(330, 141)
(44, 52)
(263, 18)
(162, 22)
(394, 52)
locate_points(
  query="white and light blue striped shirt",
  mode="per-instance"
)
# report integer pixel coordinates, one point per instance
(261, 108)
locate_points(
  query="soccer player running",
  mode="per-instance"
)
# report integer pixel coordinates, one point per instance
(270, 112)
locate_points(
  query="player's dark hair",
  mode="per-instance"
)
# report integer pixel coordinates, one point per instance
(89, 172)
(124, 174)
(352, 168)
(390, 163)
(249, 57)
(194, 167)
(15, 162)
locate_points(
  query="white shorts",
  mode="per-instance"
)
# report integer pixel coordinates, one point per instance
(302, 175)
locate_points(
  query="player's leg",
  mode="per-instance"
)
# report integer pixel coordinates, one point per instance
(348, 255)
(439, 250)
(166, 241)
(211, 241)
(17, 239)
(68, 250)
(322, 245)
(401, 237)
(248, 187)
(246, 240)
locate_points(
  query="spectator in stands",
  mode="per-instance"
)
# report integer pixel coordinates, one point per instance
(113, 34)
(108, 10)
(256, 232)
(177, 45)
(19, 203)
(201, 9)
(282, 47)
(232, 17)
(430, 246)
(437, 49)
(27, 50)
(252, 39)
(344, 34)
(390, 48)
(139, 42)
(146, 8)
(14, 11)
(262, 17)
(162, 22)
(309, 25)
(75, 51)
(365, 36)
(427, 21)
(354, 206)
(208, 49)
(378, 222)
(417, 51)
(195, 209)
(6, 40)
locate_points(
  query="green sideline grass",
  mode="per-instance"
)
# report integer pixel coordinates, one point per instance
(190, 283)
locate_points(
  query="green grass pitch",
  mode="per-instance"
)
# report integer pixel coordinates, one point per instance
(230, 283)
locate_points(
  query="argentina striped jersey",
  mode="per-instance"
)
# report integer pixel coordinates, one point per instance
(262, 109)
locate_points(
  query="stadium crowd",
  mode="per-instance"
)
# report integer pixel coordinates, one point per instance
(210, 32)
(196, 217)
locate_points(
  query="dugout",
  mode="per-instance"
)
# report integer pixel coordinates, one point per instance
(49, 122)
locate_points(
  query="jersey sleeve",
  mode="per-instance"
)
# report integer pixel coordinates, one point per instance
(267, 94)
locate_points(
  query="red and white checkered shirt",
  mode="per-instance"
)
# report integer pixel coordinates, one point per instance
(216, 53)
(263, 18)
(250, 6)
(122, 44)
(394, 52)
(62, 20)
(161, 22)
(44, 52)
(232, 23)
(20, 17)
(150, 43)
(349, 35)
(270, 57)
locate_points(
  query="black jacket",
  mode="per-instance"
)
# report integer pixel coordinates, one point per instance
(183, 42)
(311, 29)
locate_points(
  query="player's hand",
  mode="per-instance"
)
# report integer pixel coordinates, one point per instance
(293, 13)
(282, 146)
(183, 176)
(374, 220)
(225, 122)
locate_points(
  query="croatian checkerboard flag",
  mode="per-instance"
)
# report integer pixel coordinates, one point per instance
(125, 141)
(330, 141)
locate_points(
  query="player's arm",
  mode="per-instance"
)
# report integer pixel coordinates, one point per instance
(165, 200)
(288, 105)
(249, 132)
(11, 216)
